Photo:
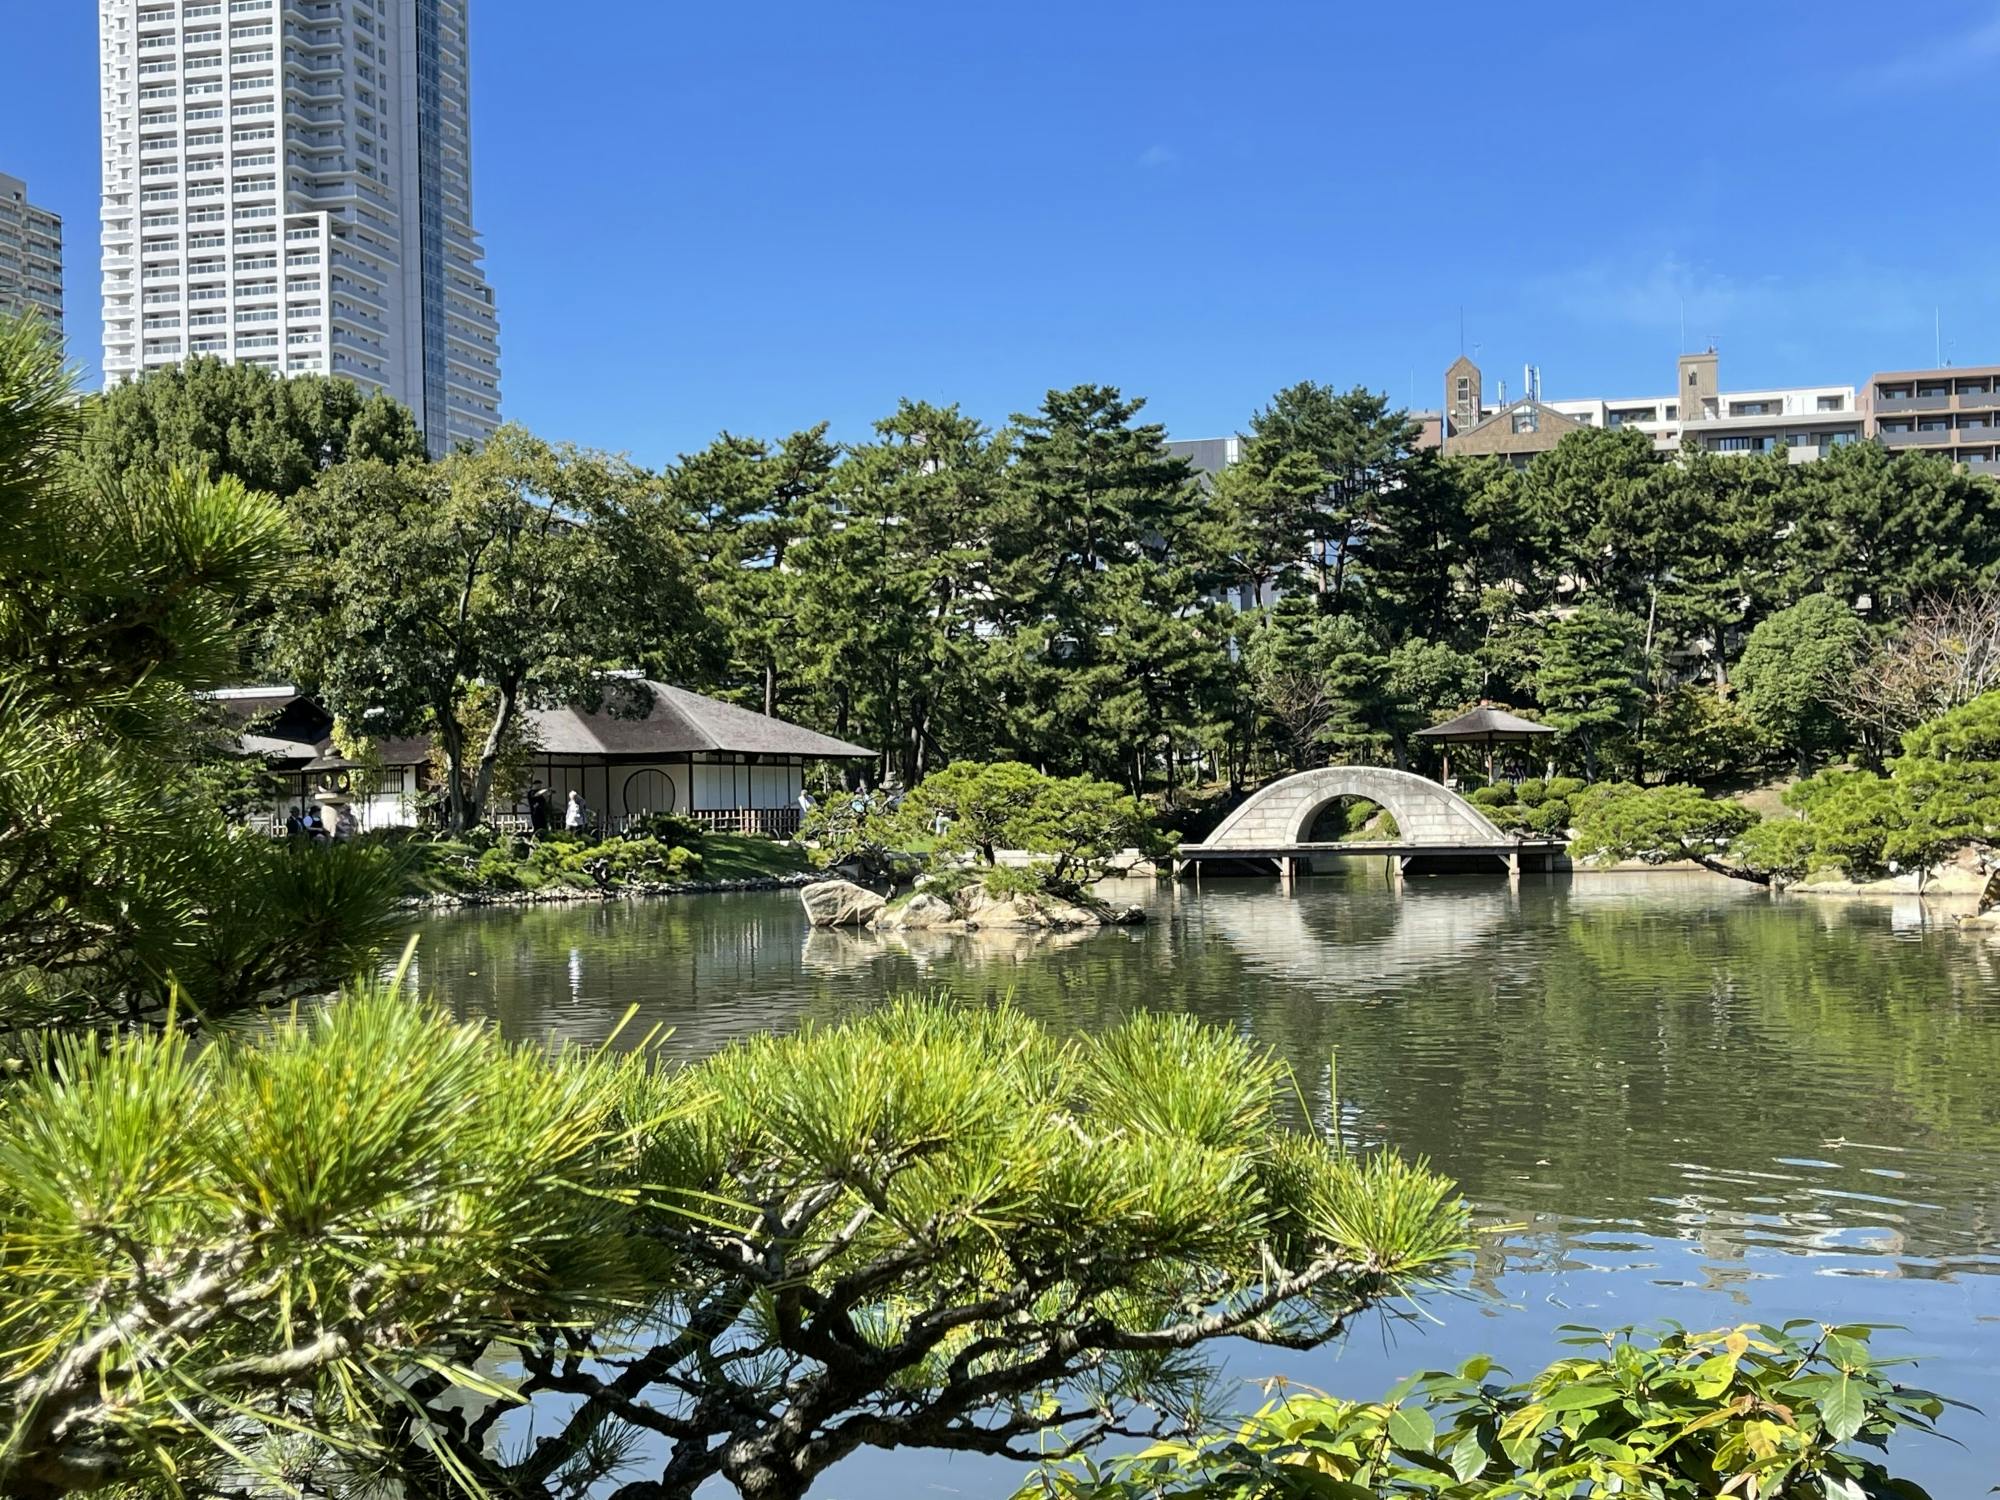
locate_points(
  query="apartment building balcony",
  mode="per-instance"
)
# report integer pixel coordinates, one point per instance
(1935, 437)
(1886, 405)
(1986, 466)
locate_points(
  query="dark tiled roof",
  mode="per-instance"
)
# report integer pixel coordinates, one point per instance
(635, 718)
(1485, 723)
(653, 718)
(297, 731)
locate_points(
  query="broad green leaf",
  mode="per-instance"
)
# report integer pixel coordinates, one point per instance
(1712, 1376)
(1844, 1409)
(1411, 1427)
(1468, 1457)
(1580, 1397)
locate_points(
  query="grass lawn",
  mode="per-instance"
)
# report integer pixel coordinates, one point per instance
(745, 856)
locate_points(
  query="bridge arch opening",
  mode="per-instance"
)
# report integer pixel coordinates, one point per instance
(1351, 819)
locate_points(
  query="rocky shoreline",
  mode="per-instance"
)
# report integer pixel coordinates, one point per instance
(842, 903)
(642, 890)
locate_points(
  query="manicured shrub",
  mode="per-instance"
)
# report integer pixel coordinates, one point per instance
(668, 828)
(498, 870)
(1551, 819)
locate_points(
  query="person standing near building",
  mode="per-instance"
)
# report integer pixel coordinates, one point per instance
(576, 816)
(538, 809)
(346, 827)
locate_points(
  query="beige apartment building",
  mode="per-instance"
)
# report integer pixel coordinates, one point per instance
(1804, 421)
(1952, 412)
(30, 255)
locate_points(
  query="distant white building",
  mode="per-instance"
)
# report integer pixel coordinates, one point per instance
(1803, 420)
(30, 255)
(288, 183)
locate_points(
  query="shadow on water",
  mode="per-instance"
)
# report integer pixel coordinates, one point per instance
(1691, 1100)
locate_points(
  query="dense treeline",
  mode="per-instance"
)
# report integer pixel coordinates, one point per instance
(1065, 592)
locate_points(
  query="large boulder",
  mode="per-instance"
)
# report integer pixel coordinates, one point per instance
(922, 912)
(985, 909)
(840, 903)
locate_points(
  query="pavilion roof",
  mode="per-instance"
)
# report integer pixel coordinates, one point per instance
(1484, 725)
(638, 717)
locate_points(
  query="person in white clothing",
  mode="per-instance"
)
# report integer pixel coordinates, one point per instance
(576, 814)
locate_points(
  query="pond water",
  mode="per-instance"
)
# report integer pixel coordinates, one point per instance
(1690, 1100)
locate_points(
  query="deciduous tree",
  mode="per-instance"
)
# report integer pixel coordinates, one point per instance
(525, 571)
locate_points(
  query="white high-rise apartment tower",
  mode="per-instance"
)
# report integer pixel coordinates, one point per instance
(289, 183)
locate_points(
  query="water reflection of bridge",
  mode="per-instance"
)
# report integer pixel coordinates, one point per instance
(1379, 944)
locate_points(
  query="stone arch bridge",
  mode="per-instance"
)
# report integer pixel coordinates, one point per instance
(1435, 826)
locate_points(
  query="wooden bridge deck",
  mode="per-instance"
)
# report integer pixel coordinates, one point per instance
(1512, 855)
(1379, 849)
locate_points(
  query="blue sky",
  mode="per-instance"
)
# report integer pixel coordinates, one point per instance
(759, 215)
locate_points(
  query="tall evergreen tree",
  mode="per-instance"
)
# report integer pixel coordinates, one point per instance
(1090, 494)
(524, 571)
(1590, 679)
(122, 884)
(1890, 529)
(891, 573)
(1361, 446)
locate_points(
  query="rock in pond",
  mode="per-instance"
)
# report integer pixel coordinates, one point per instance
(921, 912)
(984, 909)
(840, 903)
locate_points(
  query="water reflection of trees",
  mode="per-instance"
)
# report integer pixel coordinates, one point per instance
(1620, 1059)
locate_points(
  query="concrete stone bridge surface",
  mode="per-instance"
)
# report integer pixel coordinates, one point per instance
(1431, 821)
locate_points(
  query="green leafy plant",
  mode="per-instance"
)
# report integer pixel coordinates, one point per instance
(1756, 1412)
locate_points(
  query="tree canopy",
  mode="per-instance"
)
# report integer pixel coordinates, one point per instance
(123, 886)
(274, 433)
(524, 571)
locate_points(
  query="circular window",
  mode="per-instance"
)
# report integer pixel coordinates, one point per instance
(649, 792)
